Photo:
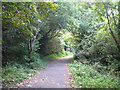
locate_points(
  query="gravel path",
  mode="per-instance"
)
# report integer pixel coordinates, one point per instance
(56, 75)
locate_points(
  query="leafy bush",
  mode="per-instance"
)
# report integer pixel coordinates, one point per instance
(12, 75)
(86, 76)
(15, 72)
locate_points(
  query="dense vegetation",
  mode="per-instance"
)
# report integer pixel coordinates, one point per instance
(34, 32)
(86, 75)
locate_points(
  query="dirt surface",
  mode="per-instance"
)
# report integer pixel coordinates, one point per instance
(56, 75)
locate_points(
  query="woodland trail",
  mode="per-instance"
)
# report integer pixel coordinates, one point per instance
(56, 75)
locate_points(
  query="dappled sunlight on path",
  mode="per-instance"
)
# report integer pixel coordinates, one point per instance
(66, 58)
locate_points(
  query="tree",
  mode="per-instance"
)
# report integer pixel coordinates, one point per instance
(21, 26)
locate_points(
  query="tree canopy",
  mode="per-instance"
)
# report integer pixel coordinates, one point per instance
(89, 30)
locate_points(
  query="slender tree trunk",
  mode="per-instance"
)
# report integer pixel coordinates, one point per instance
(34, 39)
(111, 32)
(29, 50)
(119, 20)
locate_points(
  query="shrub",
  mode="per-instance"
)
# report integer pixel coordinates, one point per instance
(15, 72)
(86, 76)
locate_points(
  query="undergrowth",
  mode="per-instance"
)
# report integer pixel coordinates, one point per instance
(86, 76)
(14, 72)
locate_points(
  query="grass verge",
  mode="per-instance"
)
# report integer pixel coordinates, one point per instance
(85, 76)
(15, 72)
(57, 56)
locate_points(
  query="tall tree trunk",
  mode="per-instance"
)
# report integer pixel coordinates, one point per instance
(34, 39)
(119, 20)
(111, 32)
(29, 51)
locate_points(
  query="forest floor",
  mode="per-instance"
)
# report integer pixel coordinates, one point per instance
(55, 75)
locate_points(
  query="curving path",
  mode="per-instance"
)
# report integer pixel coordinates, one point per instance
(56, 75)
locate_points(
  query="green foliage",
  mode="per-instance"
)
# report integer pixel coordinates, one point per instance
(15, 72)
(50, 46)
(12, 75)
(86, 76)
(97, 39)
(90, 30)
(21, 27)
(57, 56)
